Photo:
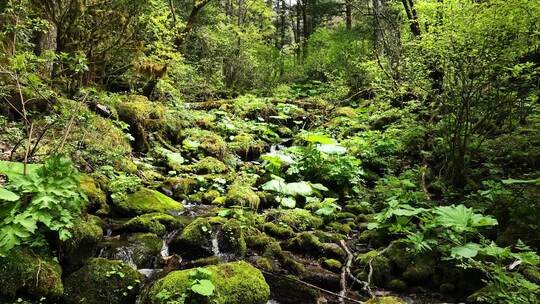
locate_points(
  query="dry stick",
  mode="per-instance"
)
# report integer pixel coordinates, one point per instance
(28, 148)
(312, 286)
(71, 120)
(346, 269)
(368, 288)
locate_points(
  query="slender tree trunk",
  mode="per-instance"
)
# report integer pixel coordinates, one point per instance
(348, 14)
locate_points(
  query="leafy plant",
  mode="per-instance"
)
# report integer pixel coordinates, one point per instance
(201, 283)
(45, 200)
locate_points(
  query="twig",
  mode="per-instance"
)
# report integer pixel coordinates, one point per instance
(346, 269)
(71, 120)
(370, 274)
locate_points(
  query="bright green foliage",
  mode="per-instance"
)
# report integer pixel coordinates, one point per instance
(147, 201)
(50, 198)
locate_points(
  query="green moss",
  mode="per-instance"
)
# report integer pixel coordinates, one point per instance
(339, 227)
(209, 165)
(103, 281)
(24, 271)
(345, 215)
(420, 269)
(235, 283)
(181, 187)
(97, 200)
(157, 223)
(297, 219)
(247, 146)
(381, 266)
(142, 115)
(332, 264)
(210, 196)
(386, 300)
(345, 111)
(279, 231)
(358, 208)
(219, 201)
(292, 265)
(195, 239)
(233, 235)
(532, 274)
(265, 263)
(86, 234)
(242, 195)
(257, 240)
(308, 243)
(147, 201)
(209, 143)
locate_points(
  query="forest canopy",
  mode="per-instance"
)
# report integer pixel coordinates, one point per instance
(269, 151)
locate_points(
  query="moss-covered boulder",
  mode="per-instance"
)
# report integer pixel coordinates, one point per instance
(242, 195)
(180, 187)
(235, 283)
(157, 223)
(308, 243)
(380, 264)
(103, 281)
(332, 265)
(247, 146)
(26, 273)
(298, 219)
(231, 238)
(280, 230)
(97, 200)
(206, 142)
(142, 115)
(86, 233)
(209, 165)
(147, 201)
(141, 250)
(196, 239)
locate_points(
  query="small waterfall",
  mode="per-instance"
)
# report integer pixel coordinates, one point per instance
(126, 255)
(215, 244)
(166, 240)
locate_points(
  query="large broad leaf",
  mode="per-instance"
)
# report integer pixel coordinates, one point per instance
(469, 250)
(332, 149)
(300, 188)
(203, 287)
(15, 170)
(6, 195)
(461, 218)
(287, 202)
(278, 159)
(318, 138)
(275, 185)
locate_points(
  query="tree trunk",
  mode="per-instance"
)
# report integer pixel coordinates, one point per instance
(348, 14)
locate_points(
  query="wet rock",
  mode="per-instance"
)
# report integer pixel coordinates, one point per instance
(140, 250)
(103, 281)
(247, 146)
(321, 277)
(281, 231)
(157, 223)
(97, 200)
(25, 272)
(147, 201)
(86, 233)
(287, 289)
(380, 264)
(180, 187)
(207, 142)
(235, 283)
(242, 195)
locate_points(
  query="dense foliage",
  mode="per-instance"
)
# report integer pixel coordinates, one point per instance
(374, 143)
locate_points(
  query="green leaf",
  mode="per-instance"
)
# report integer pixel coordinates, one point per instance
(469, 250)
(332, 149)
(287, 202)
(203, 287)
(300, 188)
(6, 195)
(512, 181)
(318, 138)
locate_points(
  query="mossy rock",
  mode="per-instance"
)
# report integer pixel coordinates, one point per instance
(281, 231)
(97, 200)
(257, 240)
(345, 111)
(386, 300)
(208, 142)
(308, 243)
(210, 196)
(147, 201)
(86, 233)
(381, 267)
(157, 223)
(180, 187)
(232, 238)
(142, 115)
(195, 239)
(421, 269)
(103, 281)
(24, 272)
(209, 165)
(242, 195)
(235, 283)
(532, 273)
(142, 249)
(247, 147)
(397, 285)
(332, 265)
(298, 219)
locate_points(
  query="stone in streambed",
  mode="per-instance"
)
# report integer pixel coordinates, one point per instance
(147, 201)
